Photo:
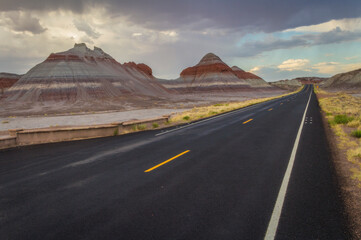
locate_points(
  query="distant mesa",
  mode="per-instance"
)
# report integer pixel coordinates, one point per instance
(347, 81)
(296, 83)
(212, 74)
(82, 74)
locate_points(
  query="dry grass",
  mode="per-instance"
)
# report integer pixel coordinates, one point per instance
(203, 112)
(343, 112)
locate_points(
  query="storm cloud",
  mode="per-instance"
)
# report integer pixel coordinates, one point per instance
(255, 15)
(21, 22)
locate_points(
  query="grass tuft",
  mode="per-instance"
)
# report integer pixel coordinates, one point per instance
(116, 132)
(155, 125)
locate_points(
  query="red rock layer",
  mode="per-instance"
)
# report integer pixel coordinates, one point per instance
(203, 69)
(7, 82)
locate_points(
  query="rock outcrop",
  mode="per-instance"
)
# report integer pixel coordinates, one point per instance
(347, 81)
(82, 74)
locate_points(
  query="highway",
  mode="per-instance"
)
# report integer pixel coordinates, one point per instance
(263, 172)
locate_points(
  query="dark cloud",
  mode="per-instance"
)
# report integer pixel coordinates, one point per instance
(251, 49)
(86, 28)
(337, 35)
(22, 22)
(257, 15)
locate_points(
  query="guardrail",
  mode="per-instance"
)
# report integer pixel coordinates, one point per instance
(22, 137)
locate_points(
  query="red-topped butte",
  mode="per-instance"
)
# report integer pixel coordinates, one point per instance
(211, 73)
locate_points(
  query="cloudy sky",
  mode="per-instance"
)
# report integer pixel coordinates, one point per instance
(274, 39)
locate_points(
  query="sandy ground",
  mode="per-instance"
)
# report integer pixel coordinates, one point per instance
(44, 115)
(78, 120)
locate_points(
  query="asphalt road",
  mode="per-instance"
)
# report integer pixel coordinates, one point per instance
(216, 179)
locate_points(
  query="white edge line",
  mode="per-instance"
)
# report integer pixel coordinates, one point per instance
(222, 115)
(276, 214)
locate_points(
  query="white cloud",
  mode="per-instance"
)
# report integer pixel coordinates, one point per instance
(352, 58)
(294, 65)
(332, 68)
(255, 69)
(347, 24)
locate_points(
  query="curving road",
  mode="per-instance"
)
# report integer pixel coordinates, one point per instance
(255, 173)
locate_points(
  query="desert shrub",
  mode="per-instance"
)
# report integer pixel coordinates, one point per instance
(186, 118)
(356, 133)
(342, 119)
(141, 127)
(155, 125)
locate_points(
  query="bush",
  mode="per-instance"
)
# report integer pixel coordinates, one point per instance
(342, 119)
(115, 132)
(186, 118)
(356, 133)
(141, 127)
(155, 125)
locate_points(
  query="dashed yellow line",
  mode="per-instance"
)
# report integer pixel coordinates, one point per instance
(248, 121)
(270, 109)
(160, 164)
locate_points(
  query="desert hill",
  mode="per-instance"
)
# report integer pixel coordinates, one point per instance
(82, 74)
(348, 81)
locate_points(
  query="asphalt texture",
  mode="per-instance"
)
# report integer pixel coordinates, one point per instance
(225, 187)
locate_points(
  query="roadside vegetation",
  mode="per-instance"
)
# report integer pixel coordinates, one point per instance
(208, 111)
(343, 113)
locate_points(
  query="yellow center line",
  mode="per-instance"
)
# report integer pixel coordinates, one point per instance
(270, 109)
(160, 164)
(248, 121)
